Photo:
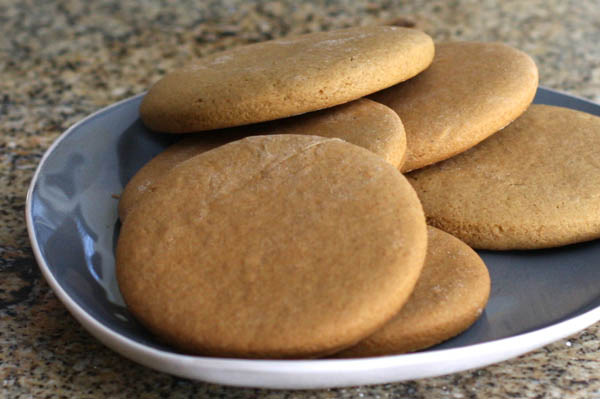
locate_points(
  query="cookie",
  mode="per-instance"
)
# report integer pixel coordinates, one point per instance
(284, 77)
(281, 246)
(449, 297)
(535, 184)
(362, 122)
(470, 91)
(145, 179)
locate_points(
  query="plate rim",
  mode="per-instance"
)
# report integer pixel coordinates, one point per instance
(299, 374)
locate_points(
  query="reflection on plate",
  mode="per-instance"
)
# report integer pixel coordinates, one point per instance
(537, 296)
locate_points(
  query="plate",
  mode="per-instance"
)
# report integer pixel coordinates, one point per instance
(537, 296)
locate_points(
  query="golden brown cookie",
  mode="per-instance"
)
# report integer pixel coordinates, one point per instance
(362, 122)
(272, 246)
(449, 297)
(284, 77)
(535, 184)
(470, 91)
(145, 179)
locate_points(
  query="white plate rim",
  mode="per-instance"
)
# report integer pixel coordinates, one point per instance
(301, 374)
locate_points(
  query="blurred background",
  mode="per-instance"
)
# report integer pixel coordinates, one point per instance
(96, 52)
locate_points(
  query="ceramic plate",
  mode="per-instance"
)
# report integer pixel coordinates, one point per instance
(537, 296)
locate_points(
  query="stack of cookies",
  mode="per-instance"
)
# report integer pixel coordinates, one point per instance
(282, 224)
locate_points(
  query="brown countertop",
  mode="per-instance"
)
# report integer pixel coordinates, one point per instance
(62, 60)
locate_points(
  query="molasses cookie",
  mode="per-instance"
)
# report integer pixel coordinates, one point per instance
(450, 295)
(470, 91)
(281, 246)
(535, 184)
(284, 77)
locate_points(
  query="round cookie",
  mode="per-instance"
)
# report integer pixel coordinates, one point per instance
(535, 184)
(362, 122)
(284, 77)
(470, 91)
(278, 246)
(449, 297)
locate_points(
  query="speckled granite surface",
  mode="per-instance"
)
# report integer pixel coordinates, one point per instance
(62, 60)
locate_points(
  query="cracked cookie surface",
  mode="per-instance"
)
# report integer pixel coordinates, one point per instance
(362, 122)
(272, 246)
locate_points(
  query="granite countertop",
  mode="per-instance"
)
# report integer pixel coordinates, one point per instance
(62, 60)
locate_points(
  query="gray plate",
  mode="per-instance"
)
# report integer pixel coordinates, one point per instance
(72, 220)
